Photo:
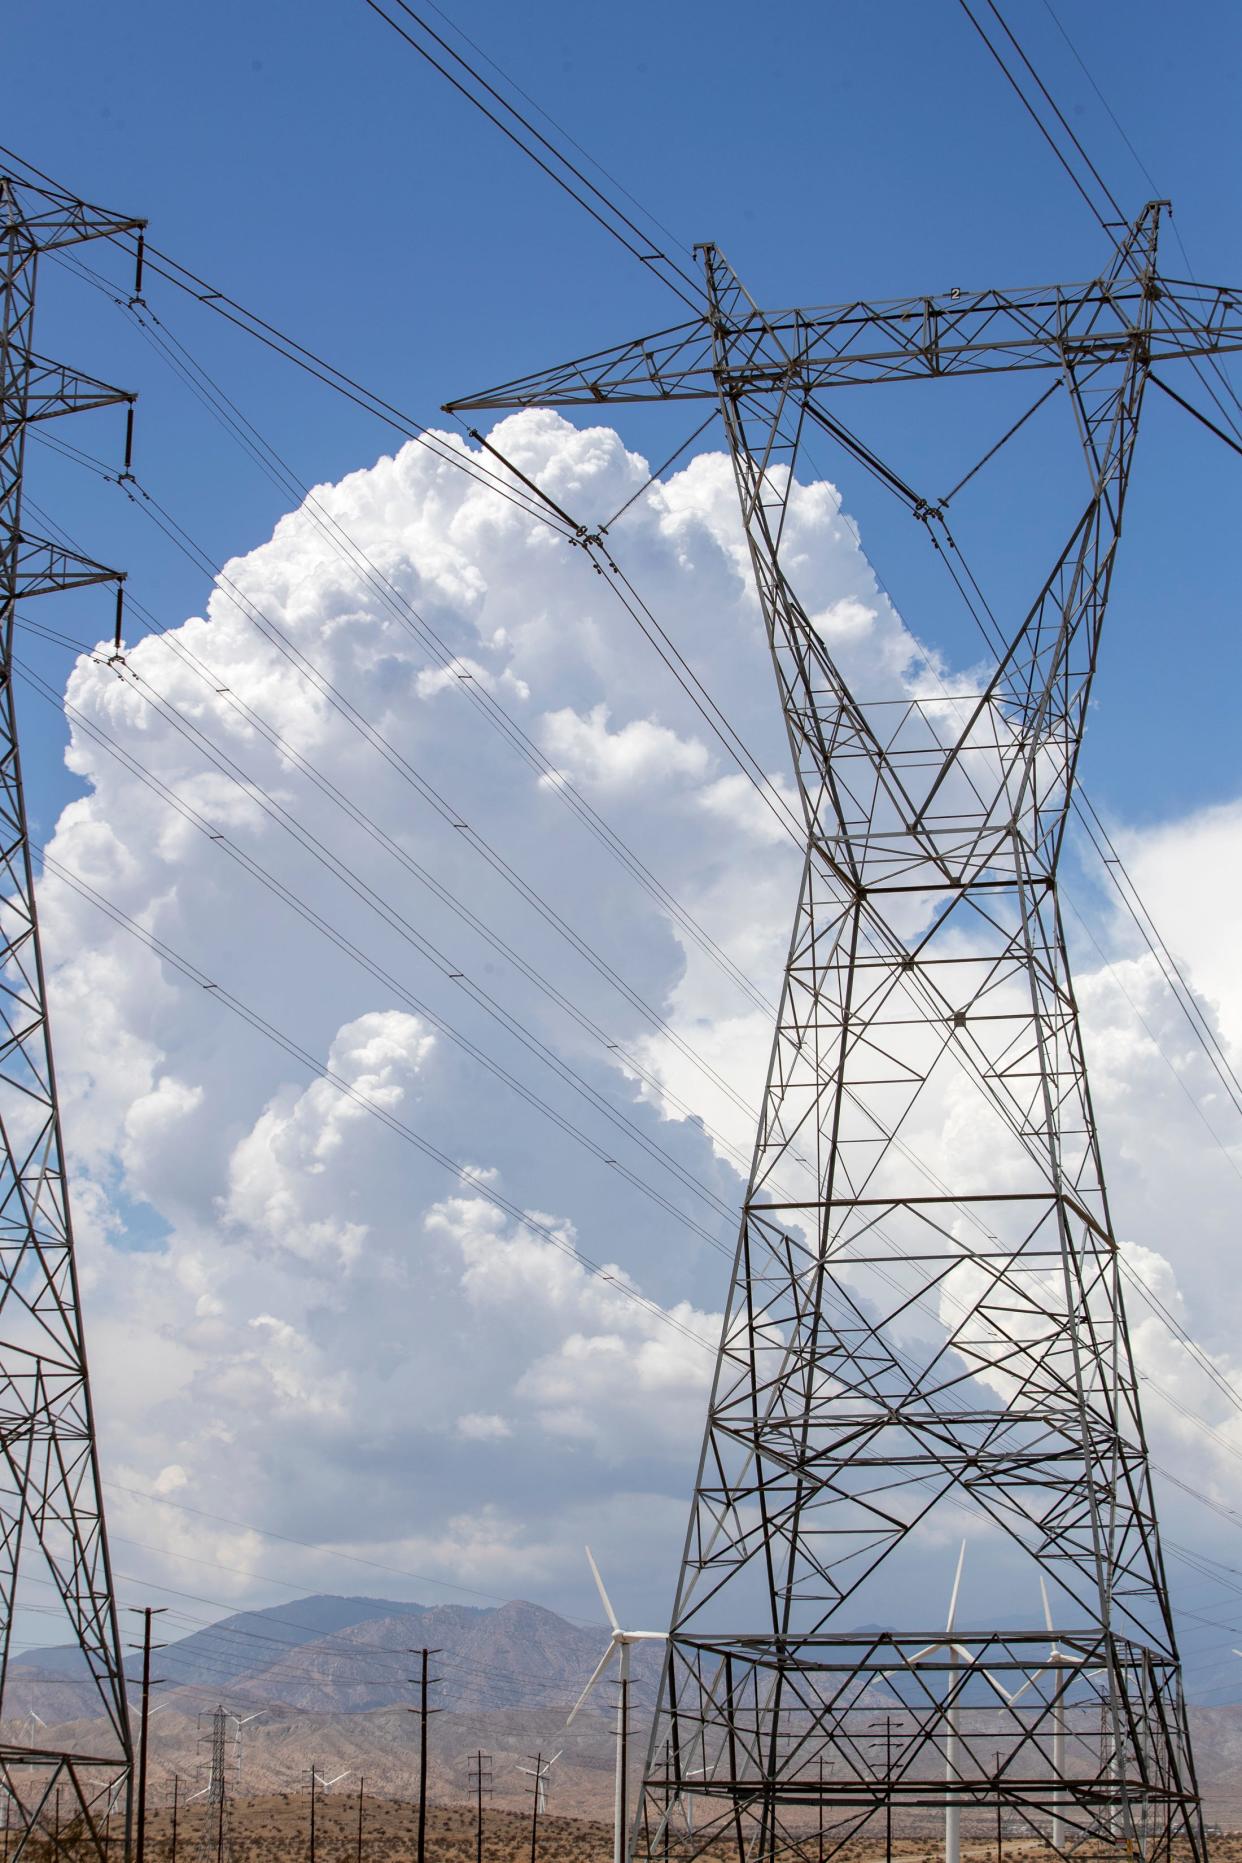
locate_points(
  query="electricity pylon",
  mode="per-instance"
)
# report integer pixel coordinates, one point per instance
(215, 1843)
(896, 1346)
(51, 1506)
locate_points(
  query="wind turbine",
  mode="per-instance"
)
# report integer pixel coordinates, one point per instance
(32, 1717)
(326, 1785)
(539, 1773)
(618, 1645)
(239, 1722)
(1055, 1659)
(952, 1810)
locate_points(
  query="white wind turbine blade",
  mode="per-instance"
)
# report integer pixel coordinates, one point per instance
(1028, 1684)
(599, 1586)
(957, 1585)
(1043, 1592)
(599, 1669)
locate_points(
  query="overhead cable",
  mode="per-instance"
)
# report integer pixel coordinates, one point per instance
(511, 122)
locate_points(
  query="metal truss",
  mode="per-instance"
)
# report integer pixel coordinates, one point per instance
(51, 1507)
(896, 1345)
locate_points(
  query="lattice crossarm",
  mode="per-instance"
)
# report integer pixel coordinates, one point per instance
(945, 335)
(39, 219)
(55, 389)
(46, 568)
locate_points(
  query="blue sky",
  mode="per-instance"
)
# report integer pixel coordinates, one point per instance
(305, 161)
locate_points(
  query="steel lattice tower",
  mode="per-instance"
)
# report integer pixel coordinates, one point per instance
(215, 1844)
(893, 1345)
(51, 1506)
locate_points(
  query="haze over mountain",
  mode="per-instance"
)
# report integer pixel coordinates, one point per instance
(352, 1655)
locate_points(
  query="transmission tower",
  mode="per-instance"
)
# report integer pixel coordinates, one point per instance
(897, 1348)
(51, 1507)
(215, 1840)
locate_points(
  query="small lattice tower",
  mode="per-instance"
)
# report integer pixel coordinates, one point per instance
(51, 1506)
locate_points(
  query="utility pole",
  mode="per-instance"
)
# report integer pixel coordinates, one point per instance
(481, 1780)
(147, 1613)
(54, 1517)
(998, 1808)
(668, 1797)
(425, 1682)
(820, 1809)
(534, 1810)
(172, 1852)
(314, 1772)
(361, 1788)
(888, 1800)
(928, 959)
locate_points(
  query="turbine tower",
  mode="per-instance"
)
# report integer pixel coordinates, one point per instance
(51, 1506)
(897, 1347)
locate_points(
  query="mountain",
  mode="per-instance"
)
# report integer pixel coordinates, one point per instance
(330, 1655)
(330, 1682)
(234, 1644)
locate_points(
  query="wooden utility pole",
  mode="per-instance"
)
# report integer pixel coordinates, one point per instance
(534, 1816)
(481, 1779)
(425, 1682)
(314, 1778)
(361, 1788)
(147, 1612)
(888, 1801)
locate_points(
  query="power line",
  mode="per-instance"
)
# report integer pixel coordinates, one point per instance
(751, 774)
(697, 693)
(1038, 121)
(311, 916)
(223, 761)
(468, 1177)
(1142, 166)
(443, 806)
(558, 127)
(1179, 1332)
(522, 133)
(393, 599)
(1109, 227)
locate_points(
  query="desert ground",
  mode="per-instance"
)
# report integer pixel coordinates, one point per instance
(274, 1828)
